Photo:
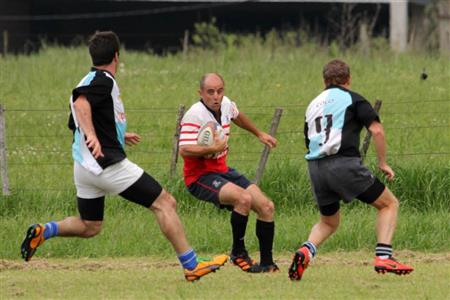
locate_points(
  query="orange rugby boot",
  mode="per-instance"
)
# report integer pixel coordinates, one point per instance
(205, 267)
(300, 262)
(33, 239)
(391, 265)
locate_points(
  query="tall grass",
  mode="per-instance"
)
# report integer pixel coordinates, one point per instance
(35, 91)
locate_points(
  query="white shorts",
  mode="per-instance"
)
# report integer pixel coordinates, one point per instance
(113, 180)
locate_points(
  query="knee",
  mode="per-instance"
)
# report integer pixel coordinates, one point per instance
(245, 200)
(390, 203)
(333, 224)
(165, 202)
(91, 229)
(267, 208)
(394, 204)
(169, 202)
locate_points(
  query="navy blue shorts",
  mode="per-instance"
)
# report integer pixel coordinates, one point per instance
(207, 187)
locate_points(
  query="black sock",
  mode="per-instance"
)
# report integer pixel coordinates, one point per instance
(238, 226)
(265, 232)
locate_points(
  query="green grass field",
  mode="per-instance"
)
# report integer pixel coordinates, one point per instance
(343, 275)
(416, 115)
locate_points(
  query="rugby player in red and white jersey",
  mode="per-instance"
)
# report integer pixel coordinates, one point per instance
(211, 179)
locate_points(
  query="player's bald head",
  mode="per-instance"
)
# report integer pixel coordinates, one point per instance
(210, 77)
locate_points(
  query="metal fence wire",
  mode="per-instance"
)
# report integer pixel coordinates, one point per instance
(19, 149)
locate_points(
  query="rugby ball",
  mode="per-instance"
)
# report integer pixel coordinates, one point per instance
(206, 136)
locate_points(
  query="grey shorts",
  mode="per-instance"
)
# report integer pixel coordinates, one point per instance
(337, 178)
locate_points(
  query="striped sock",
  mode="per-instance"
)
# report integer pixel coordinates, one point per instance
(188, 259)
(51, 230)
(383, 251)
(311, 247)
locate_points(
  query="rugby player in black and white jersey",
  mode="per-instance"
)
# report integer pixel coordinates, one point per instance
(333, 124)
(101, 167)
(210, 179)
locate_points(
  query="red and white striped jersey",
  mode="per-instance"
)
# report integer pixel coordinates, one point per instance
(194, 119)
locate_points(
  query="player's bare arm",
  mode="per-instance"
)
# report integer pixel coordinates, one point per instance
(132, 138)
(244, 122)
(377, 131)
(84, 115)
(219, 145)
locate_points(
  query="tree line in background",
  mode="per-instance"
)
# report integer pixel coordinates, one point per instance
(347, 28)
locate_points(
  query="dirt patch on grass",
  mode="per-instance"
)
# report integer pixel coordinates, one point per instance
(146, 263)
(404, 256)
(86, 264)
(361, 258)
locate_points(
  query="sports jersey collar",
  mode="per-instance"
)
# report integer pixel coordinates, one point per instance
(96, 69)
(213, 112)
(333, 86)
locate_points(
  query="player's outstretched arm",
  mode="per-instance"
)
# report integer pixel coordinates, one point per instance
(244, 122)
(377, 131)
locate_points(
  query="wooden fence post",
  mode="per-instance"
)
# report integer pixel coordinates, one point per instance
(185, 43)
(176, 137)
(366, 142)
(3, 165)
(265, 154)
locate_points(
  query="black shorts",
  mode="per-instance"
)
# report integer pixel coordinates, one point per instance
(143, 192)
(208, 186)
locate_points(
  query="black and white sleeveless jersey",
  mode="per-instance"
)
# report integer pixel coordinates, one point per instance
(108, 117)
(334, 121)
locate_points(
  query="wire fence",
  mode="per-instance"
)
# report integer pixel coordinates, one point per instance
(25, 148)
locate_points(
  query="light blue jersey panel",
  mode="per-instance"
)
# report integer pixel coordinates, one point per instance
(338, 107)
(88, 79)
(121, 128)
(325, 117)
(76, 151)
(314, 148)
